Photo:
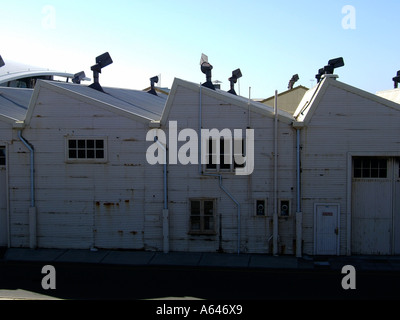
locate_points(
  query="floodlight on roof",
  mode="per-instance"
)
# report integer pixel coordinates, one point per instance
(236, 74)
(397, 80)
(336, 63)
(292, 81)
(319, 74)
(153, 80)
(333, 64)
(78, 77)
(329, 69)
(2, 63)
(102, 61)
(206, 68)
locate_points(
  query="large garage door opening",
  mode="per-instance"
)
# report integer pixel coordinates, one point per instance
(375, 206)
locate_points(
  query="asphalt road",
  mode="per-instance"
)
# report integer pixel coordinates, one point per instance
(110, 282)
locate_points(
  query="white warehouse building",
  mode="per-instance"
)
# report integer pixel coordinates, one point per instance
(75, 172)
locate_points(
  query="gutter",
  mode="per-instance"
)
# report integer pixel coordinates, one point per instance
(299, 214)
(275, 232)
(32, 209)
(165, 209)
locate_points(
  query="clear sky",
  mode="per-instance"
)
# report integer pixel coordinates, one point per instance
(268, 40)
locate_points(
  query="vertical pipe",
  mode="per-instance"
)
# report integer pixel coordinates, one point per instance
(32, 209)
(32, 166)
(8, 195)
(299, 215)
(165, 210)
(275, 216)
(199, 133)
(216, 175)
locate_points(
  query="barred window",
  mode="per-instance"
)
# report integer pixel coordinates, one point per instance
(86, 149)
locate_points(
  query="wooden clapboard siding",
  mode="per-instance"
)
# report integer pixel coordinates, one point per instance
(345, 121)
(185, 182)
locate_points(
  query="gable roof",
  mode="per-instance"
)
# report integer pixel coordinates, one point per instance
(312, 98)
(393, 95)
(287, 100)
(135, 104)
(224, 96)
(14, 103)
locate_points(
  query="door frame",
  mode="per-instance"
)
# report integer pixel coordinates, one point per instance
(337, 243)
(349, 200)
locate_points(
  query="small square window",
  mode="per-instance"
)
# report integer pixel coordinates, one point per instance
(81, 144)
(99, 154)
(90, 144)
(90, 154)
(86, 149)
(99, 144)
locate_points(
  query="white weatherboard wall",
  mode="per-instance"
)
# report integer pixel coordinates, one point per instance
(81, 205)
(347, 122)
(185, 182)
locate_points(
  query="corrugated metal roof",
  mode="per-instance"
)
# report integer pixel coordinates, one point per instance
(14, 102)
(136, 102)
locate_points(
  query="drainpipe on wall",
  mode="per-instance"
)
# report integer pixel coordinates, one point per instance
(32, 208)
(275, 231)
(165, 209)
(217, 175)
(299, 214)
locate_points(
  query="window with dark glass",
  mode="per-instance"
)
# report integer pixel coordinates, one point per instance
(2, 156)
(370, 167)
(90, 149)
(227, 158)
(202, 216)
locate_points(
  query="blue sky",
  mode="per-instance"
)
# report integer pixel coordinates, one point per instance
(268, 40)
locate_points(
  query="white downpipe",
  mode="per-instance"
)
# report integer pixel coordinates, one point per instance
(217, 175)
(165, 209)
(32, 209)
(275, 214)
(299, 215)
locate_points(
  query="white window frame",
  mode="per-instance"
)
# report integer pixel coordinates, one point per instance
(85, 159)
(203, 231)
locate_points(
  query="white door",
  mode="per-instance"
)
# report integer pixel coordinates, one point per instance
(326, 228)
